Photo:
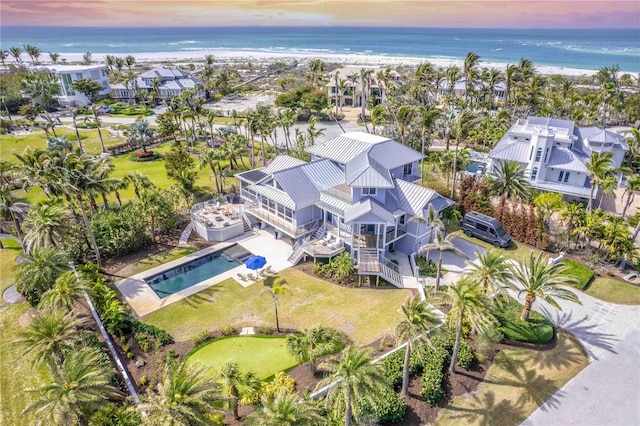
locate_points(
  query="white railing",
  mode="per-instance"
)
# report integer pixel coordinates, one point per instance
(416, 273)
(390, 275)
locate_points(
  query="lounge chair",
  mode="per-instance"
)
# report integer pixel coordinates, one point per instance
(242, 277)
(336, 244)
(251, 277)
(327, 239)
(264, 272)
(269, 269)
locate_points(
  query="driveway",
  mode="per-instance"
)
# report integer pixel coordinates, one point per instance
(606, 392)
(454, 262)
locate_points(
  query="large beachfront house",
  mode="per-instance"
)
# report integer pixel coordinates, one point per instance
(349, 85)
(67, 74)
(161, 82)
(459, 90)
(357, 194)
(555, 153)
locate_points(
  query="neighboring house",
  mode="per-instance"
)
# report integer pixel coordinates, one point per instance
(460, 88)
(555, 153)
(357, 194)
(161, 83)
(67, 74)
(352, 91)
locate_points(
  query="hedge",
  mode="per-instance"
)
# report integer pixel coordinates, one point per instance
(389, 408)
(578, 270)
(433, 375)
(537, 330)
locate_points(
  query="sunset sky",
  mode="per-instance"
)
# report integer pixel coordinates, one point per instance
(417, 13)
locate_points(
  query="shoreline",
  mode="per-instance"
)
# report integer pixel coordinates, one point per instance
(343, 59)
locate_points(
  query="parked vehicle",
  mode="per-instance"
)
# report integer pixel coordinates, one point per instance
(486, 228)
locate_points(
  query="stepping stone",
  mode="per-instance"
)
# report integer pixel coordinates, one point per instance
(11, 295)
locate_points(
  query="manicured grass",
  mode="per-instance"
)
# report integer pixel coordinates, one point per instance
(517, 383)
(514, 251)
(537, 330)
(363, 314)
(263, 355)
(8, 256)
(161, 258)
(580, 271)
(614, 291)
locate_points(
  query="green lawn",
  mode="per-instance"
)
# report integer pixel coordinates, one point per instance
(161, 258)
(514, 251)
(263, 355)
(537, 330)
(614, 291)
(8, 264)
(363, 314)
(580, 271)
(517, 383)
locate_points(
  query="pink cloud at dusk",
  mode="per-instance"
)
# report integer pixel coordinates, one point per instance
(418, 13)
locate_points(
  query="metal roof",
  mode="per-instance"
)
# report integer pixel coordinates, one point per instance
(606, 136)
(364, 172)
(273, 194)
(282, 162)
(368, 206)
(252, 175)
(298, 186)
(323, 173)
(566, 159)
(551, 122)
(413, 198)
(391, 154)
(513, 150)
(332, 204)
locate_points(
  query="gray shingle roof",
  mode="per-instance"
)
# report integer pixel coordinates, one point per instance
(365, 207)
(282, 162)
(566, 159)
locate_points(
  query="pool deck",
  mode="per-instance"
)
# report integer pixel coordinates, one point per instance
(143, 300)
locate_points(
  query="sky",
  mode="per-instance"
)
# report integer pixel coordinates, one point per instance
(414, 13)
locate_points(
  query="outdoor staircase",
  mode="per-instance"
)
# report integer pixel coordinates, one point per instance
(297, 251)
(371, 263)
(319, 233)
(246, 222)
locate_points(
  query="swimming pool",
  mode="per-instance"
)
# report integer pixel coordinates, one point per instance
(173, 280)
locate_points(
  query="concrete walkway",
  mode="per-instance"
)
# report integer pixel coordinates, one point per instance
(607, 391)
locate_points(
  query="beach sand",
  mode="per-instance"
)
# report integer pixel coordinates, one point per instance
(196, 56)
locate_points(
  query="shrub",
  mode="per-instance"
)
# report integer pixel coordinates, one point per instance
(433, 375)
(466, 355)
(578, 270)
(393, 365)
(120, 231)
(143, 158)
(228, 330)
(389, 408)
(145, 341)
(537, 330)
(280, 381)
(159, 334)
(201, 337)
(144, 380)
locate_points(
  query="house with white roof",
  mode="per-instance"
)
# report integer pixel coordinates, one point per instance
(555, 153)
(161, 82)
(67, 74)
(357, 194)
(460, 88)
(351, 92)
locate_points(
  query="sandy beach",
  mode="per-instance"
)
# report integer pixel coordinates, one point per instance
(346, 59)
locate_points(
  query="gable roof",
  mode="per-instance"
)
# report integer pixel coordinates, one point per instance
(368, 207)
(413, 199)
(566, 159)
(282, 162)
(507, 149)
(365, 172)
(273, 194)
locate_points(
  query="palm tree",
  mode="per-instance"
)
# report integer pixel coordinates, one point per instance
(279, 288)
(467, 301)
(285, 409)
(16, 52)
(431, 221)
(237, 387)
(539, 278)
(64, 292)
(354, 378)
(211, 158)
(470, 63)
(139, 181)
(493, 79)
(45, 226)
(574, 216)
(185, 395)
(33, 52)
(313, 343)
(129, 61)
(442, 243)
(509, 180)
(78, 388)
(598, 167)
(39, 271)
(608, 185)
(3, 57)
(14, 209)
(365, 76)
(140, 133)
(73, 113)
(416, 321)
(491, 270)
(96, 119)
(633, 141)
(632, 188)
(48, 335)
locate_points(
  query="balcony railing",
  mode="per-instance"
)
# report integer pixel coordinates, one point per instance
(564, 188)
(280, 223)
(340, 195)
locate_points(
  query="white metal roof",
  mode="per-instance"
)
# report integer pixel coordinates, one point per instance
(332, 204)
(365, 207)
(298, 186)
(273, 194)
(413, 198)
(566, 159)
(508, 149)
(282, 162)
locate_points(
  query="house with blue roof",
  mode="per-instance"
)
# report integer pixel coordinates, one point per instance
(555, 153)
(358, 193)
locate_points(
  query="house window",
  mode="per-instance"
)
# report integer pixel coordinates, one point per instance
(78, 76)
(538, 155)
(66, 81)
(546, 154)
(563, 176)
(534, 173)
(401, 220)
(408, 169)
(566, 177)
(368, 191)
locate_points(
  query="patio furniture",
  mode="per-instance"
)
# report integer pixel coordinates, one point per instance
(269, 269)
(251, 277)
(242, 277)
(264, 272)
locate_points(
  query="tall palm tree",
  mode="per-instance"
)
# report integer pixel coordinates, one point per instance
(573, 215)
(415, 323)
(78, 388)
(4, 54)
(470, 63)
(211, 158)
(14, 209)
(467, 301)
(599, 166)
(16, 52)
(633, 141)
(34, 53)
(139, 181)
(185, 395)
(608, 185)
(539, 278)
(45, 226)
(313, 343)
(365, 79)
(73, 113)
(140, 133)
(48, 335)
(354, 377)
(279, 288)
(491, 270)
(442, 243)
(631, 190)
(493, 79)
(39, 271)
(432, 221)
(96, 119)
(64, 292)
(285, 409)
(237, 387)
(509, 180)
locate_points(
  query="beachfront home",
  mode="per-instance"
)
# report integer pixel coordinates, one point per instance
(357, 194)
(67, 74)
(555, 153)
(349, 85)
(162, 83)
(460, 88)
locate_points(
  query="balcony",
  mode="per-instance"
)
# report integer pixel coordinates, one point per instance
(563, 188)
(342, 194)
(279, 222)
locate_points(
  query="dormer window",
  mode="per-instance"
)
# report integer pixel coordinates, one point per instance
(369, 191)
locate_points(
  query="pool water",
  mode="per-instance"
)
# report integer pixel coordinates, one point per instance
(186, 275)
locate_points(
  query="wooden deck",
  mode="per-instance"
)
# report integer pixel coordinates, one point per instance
(317, 249)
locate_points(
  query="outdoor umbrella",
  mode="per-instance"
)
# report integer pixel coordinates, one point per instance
(255, 262)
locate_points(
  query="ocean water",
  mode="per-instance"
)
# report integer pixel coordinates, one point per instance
(585, 49)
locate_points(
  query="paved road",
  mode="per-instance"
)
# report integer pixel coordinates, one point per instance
(607, 391)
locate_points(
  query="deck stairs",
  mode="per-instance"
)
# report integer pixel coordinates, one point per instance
(297, 251)
(372, 263)
(246, 222)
